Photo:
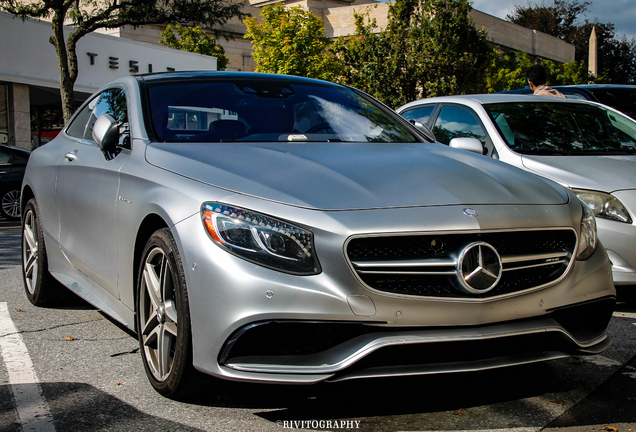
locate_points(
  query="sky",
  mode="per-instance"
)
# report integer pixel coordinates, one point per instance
(621, 13)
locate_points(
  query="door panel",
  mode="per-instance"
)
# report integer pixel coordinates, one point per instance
(86, 191)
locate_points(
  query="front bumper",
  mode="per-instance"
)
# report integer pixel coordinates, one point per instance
(234, 304)
(341, 351)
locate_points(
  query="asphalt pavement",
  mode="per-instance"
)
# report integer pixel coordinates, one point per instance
(91, 378)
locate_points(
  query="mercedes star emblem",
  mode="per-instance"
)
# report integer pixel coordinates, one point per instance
(470, 212)
(478, 268)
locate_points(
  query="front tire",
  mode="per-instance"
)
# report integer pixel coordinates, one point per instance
(163, 317)
(41, 288)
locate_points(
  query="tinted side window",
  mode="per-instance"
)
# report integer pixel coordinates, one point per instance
(454, 122)
(77, 128)
(113, 102)
(571, 95)
(5, 157)
(421, 114)
(623, 100)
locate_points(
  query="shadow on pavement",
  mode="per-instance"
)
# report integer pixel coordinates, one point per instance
(81, 407)
(10, 241)
(613, 403)
(425, 399)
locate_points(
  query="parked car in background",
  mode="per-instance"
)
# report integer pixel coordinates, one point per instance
(617, 96)
(584, 146)
(13, 161)
(270, 228)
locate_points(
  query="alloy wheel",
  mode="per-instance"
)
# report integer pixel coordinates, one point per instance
(11, 204)
(30, 251)
(158, 314)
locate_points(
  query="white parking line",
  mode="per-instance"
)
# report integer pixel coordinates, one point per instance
(624, 314)
(599, 360)
(33, 411)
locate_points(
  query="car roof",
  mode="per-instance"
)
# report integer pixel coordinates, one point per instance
(16, 150)
(596, 86)
(488, 98)
(582, 88)
(224, 75)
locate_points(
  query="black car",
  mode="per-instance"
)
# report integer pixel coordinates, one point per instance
(620, 97)
(13, 161)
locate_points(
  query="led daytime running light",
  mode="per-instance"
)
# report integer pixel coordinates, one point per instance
(261, 239)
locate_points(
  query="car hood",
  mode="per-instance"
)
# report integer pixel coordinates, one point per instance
(343, 176)
(602, 173)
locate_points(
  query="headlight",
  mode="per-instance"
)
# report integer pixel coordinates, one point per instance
(604, 205)
(587, 237)
(261, 239)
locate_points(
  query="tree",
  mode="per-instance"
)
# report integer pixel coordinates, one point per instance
(455, 54)
(363, 57)
(507, 71)
(86, 16)
(292, 42)
(559, 20)
(429, 48)
(194, 39)
(616, 57)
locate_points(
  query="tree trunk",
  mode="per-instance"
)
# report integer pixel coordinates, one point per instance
(67, 81)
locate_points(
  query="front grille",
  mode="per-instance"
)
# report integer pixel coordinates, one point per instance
(464, 351)
(426, 265)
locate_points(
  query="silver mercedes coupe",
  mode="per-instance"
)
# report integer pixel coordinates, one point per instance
(585, 146)
(269, 228)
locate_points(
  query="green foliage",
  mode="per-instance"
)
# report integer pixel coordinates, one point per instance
(507, 71)
(456, 53)
(568, 73)
(429, 48)
(616, 56)
(193, 39)
(364, 57)
(292, 42)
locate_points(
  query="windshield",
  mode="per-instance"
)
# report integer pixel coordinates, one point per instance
(554, 128)
(269, 110)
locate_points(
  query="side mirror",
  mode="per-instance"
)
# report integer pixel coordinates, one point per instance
(106, 132)
(468, 144)
(425, 130)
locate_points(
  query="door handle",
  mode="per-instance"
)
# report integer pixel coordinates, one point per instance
(70, 156)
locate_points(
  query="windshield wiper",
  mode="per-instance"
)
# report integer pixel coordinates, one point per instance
(616, 151)
(547, 151)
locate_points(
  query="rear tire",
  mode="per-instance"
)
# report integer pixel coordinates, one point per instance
(163, 318)
(10, 204)
(41, 288)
